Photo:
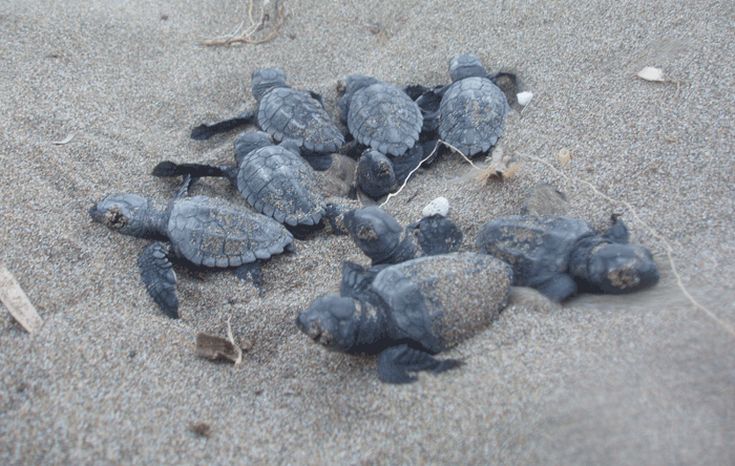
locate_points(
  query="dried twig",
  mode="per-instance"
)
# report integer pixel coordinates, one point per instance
(263, 23)
(18, 304)
(667, 246)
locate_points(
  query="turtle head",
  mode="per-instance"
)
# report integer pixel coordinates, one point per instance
(249, 141)
(466, 65)
(265, 79)
(375, 232)
(621, 268)
(346, 89)
(331, 321)
(375, 175)
(125, 213)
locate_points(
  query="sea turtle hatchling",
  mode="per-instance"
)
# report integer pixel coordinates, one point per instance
(557, 254)
(273, 179)
(412, 311)
(470, 112)
(285, 114)
(379, 115)
(202, 232)
(380, 237)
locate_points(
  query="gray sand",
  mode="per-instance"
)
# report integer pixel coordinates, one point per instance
(645, 378)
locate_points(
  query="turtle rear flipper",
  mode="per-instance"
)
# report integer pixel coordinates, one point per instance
(159, 277)
(396, 362)
(251, 272)
(205, 131)
(558, 288)
(196, 170)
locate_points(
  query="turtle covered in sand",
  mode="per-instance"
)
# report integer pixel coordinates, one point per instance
(559, 255)
(411, 311)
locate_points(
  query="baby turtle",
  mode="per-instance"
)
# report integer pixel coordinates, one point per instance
(380, 115)
(380, 237)
(378, 175)
(274, 180)
(412, 311)
(471, 110)
(285, 114)
(556, 255)
(202, 232)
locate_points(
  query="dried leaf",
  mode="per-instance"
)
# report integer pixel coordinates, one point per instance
(501, 167)
(564, 156)
(214, 347)
(18, 304)
(649, 73)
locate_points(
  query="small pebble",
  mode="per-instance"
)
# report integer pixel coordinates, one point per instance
(524, 98)
(439, 206)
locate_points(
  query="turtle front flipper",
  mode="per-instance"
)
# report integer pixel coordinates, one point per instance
(558, 288)
(395, 363)
(205, 131)
(618, 231)
(159, 277)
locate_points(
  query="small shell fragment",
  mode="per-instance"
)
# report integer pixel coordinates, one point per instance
(524, 98)
(649, 73)
(564, 156)
(439, 206)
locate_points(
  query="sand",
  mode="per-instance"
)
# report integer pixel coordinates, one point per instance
(640, 379)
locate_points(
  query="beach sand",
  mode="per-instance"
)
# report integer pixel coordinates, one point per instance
(640, 379)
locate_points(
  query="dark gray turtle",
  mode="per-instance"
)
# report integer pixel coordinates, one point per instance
(275, 180)
(285, 114)
(411, 311)
(473, 108)
(470, 112)
(380, 237)
(378, 175)
(202, 231)
(380, 115)
(556, 255)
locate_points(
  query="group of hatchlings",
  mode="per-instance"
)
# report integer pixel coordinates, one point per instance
(419, 296)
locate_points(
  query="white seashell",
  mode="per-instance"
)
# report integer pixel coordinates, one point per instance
(524, 98)
(439, 206)
(650, 73)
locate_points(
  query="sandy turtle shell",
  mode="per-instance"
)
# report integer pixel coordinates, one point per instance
(461, 294)
(280, 184)
(385, 118)
(472, 115)
(214, 233)
(286, 113)
(537, 248)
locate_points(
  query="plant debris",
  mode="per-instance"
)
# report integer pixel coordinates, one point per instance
(201, 429)
(564, 156)
(17, 303)
(501, 167)
(215, 348)
(264, 29)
